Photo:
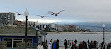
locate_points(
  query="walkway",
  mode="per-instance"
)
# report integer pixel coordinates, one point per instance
(62, 48)
(59, 48)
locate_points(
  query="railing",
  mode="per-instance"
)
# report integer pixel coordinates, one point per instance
(3, 44)
(22, 45)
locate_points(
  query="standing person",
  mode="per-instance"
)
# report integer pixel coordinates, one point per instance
(57, 43)
(88, 41)
(46, 41)
(84, 45)
(88, 44)
(75, 45)
(95, 44)
(72, 47)
(54, 45)
(40, 46)
(51, 40)
(75, 41)
(81, 45)
(45, 46)
(65, 43)
(49, 45)
(101, 45)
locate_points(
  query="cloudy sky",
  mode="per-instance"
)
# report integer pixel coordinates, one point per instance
(75, 10)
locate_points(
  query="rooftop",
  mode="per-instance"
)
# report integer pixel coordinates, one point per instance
(6, 12)
(18, 31)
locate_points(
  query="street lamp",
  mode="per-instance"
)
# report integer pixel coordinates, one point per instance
(103, 36)
(26, 14)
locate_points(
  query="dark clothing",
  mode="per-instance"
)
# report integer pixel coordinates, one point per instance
(57, 44)
(45, 45)
(51, 40)
(75, 41)
(84, 45)
(74, 46)
(80, 46)
(65, 44)
(95, 43)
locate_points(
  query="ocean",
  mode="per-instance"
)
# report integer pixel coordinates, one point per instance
(78, 37)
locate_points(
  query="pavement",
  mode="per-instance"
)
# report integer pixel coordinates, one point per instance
(31, 48)
(63, 48)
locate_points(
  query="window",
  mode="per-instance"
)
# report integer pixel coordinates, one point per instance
(9, 42)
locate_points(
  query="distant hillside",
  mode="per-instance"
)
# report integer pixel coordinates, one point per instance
(93, 26)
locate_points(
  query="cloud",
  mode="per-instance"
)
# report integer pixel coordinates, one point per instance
(42, 20)
(81, 10)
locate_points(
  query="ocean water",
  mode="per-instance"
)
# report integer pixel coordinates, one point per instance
(79, 37)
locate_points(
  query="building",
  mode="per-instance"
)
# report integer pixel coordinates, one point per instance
(14, 35)
(7, 18)
(19, 23)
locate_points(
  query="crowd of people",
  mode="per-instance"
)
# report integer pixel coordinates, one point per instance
(74, 45)
(87, 45)
(50, 45)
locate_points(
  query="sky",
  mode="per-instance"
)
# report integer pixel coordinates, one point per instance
(74, 10)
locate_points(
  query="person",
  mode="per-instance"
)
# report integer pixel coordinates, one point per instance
(57, 43)
(51, 40)
(88, 42)
(49, 46)
(95, 44)
(75, 41)
(81, 45)
(109, 46)
(46, 41)
(54, 45)
(40, 46)
(84, 45)
(72, 47)
(65, 43)
(102, 45)
(45, 45)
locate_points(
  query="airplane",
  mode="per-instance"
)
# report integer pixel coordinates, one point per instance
(55, 14)
(41, 16)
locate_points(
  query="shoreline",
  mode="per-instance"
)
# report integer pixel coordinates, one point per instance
(78, 32)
